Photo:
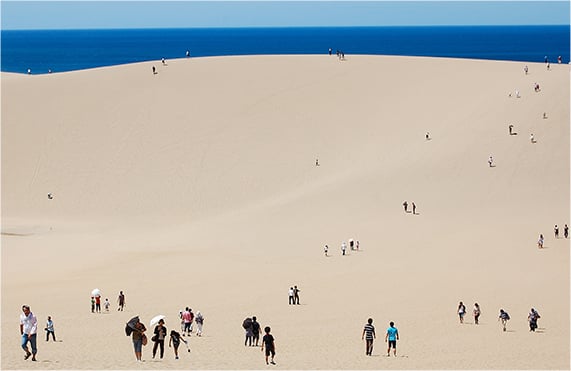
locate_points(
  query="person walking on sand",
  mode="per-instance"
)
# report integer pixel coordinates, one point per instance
(199, 323)
(121, 301)
(98, 304)
(92, 304)
(175, 340)
(256, 331)
(187, 319)
(154, 70)
(50, 329)
(477, 313)
(249, 334)
(326, 250)
(413, 208)
(369, 336)
(159, 337)
(540, 241)
(291, 299)
(504, 317)
(296, 295)
(525, 69)
(139, 339)
(461, 311)
(566, 231)
(556, 231)
(532, 318)
(490, 161)
(405, 206)
(270, 345)
(28, 331)
(107, 304)
(392, 336)
(511, 127)
(343, 247)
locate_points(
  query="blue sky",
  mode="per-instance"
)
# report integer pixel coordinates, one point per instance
(173, 14)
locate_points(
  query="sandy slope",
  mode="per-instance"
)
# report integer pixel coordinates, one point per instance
(198, 186)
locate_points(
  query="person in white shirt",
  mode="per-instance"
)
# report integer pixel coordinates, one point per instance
(28, 330)
(50, 329)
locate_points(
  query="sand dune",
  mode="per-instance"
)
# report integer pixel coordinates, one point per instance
(197, 187)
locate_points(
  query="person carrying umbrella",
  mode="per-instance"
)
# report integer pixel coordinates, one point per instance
(138, 336)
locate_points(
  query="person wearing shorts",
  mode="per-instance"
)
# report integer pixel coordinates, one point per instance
(268, 343)
(392, 336)
(138, 336)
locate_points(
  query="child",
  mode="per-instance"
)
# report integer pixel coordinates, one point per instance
(268, 342)
(107, 304)
(175, 340)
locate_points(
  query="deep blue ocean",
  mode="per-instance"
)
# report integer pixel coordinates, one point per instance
(68, 50)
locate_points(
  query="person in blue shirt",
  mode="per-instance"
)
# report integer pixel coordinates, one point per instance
(392, 336)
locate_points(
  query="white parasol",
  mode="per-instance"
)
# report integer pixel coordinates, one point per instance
(96, 292)
(156, 319)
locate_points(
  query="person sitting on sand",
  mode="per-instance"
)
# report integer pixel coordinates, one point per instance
(491, 161)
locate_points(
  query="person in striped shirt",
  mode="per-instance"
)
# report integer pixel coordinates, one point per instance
(369, 336)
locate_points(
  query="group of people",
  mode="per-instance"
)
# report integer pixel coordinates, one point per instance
(405, 207)
(391, 337)
(541, 239)
(565, 231)
(293, 295)
(253, 330)
(462, 312)
(340, 54)
(96, 303)
(353, 245)
(136, 329)
(187, 318)
(503, 317)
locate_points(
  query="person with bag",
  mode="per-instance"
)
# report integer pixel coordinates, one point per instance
(160, 334)
(139, 339)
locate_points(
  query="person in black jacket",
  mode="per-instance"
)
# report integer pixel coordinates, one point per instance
(159, 338)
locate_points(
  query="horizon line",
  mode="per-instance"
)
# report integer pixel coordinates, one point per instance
(282, 27)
